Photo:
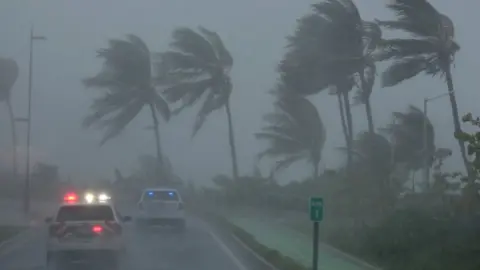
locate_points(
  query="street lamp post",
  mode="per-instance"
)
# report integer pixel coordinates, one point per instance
(425, 131)
(29, 121)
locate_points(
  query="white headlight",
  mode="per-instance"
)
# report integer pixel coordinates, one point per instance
(89, 197)
(102, 197)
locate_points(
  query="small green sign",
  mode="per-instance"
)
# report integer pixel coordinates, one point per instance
(316, 209)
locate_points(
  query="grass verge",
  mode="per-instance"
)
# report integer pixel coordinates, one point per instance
(272, 256)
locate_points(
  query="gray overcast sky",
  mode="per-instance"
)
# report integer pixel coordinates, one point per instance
(253, 30)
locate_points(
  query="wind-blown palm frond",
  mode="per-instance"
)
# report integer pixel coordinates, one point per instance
(200, 64)
(126, 81)
(407, 133)
(430, 49)
(295, 131)
(326, 47)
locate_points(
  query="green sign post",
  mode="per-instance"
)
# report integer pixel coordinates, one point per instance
(316, 215)
(316, 209)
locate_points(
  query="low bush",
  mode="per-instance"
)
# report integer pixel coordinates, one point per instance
(416, 240)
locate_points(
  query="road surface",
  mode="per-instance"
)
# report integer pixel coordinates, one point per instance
(200, 248)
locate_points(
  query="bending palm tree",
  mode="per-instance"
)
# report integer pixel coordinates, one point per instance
(8, 76)
(295, 132)
(128, 87)
(200, 66)
(319, 57)
(431, 49)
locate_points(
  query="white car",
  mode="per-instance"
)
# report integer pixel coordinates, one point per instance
(161, 206)
(85, 233)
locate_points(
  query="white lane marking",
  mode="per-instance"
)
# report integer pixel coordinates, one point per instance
(227, 251)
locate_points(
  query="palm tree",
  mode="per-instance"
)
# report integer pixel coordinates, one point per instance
(430, 49)
(8, 77)
(199, 65)
(332, 47)
(128, 86)
(295, 131)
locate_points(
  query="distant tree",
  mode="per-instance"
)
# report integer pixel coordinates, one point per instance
(294, 132)
(372, 185)
(8, 77)
(128, 86)
(45, 173)
(430, 49)
(407, 132)
(199, 65)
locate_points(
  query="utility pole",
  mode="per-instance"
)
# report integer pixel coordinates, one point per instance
(29, 122)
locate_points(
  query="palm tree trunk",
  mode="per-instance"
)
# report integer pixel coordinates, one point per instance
(344, 128)
(368, 110)
(231, 140)
(315, 170)
(456, 120)
(471, 192)
(157, 142)
(368, 107)
(348, 114)
(14, 140)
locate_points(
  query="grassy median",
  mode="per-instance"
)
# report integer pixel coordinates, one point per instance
(272, 256)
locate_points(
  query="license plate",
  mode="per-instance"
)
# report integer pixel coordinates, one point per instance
(77, 238)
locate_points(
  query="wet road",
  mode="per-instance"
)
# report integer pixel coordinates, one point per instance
(199, 248)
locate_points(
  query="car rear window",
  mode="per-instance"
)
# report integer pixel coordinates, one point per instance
(85, 212)
(161, 195)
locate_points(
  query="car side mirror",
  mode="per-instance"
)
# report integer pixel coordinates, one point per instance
(48, 220)
(127, 218)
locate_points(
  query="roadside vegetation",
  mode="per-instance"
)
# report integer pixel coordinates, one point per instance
(391, 203)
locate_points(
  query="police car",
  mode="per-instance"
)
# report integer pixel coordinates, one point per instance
(87, 230)
(161, 206)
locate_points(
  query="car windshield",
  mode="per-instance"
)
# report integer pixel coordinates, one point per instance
(161, 195)
(84, 213)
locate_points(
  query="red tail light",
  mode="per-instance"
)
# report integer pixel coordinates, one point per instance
(57, 229)
(97, 229)
(70, 198)
(114, 226)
